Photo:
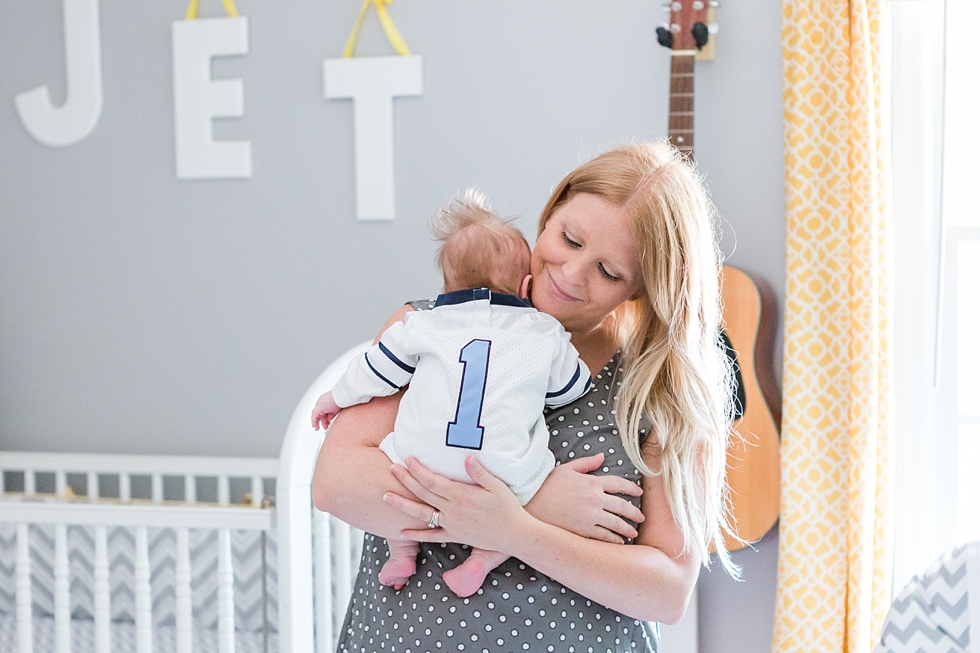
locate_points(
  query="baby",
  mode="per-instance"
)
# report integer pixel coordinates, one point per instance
(482, 364)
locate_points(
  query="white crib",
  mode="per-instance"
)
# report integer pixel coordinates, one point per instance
(316, 553)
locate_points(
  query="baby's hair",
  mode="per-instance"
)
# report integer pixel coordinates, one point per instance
(479, 248)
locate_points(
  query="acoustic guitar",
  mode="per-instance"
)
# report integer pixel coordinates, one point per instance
(748, 314)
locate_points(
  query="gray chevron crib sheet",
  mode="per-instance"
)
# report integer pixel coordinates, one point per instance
(255, 586)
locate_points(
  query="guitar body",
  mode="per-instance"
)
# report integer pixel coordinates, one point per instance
(753, 452)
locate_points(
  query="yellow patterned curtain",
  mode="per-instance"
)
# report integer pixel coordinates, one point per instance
(835, 523)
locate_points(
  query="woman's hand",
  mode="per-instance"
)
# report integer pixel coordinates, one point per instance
(585, 504)
(484, 515)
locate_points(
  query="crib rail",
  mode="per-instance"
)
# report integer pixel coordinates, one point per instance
(101, 516)
(122, 468)
(306, 624)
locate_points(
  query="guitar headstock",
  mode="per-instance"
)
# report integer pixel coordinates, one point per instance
(688, 28)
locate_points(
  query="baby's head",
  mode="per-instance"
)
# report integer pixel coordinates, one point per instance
(479, 248)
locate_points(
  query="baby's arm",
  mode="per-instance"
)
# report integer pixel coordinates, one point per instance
(383, 370)
(570, 377)
(324, 411)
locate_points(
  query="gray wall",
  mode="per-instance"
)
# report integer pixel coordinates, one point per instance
(143, 314)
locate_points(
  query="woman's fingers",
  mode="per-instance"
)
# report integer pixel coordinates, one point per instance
(616, 524)
(605, 535)
(619, 506)
(587, 464)
(619, 485)
(426, 535)
(481, 476)
(416, 509)
(416, 487)
(436, 485)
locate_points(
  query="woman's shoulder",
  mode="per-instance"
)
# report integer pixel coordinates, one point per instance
(422, 304)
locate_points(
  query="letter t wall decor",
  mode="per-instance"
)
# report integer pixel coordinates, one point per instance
(373, 83)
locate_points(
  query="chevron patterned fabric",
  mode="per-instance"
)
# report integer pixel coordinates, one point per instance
(123, 637)
(246, 550)
(932, 613)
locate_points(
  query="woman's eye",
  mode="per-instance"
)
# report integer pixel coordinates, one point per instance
(607, 274)
(569, 241)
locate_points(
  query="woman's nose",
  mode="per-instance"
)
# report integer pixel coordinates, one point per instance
(574, 271)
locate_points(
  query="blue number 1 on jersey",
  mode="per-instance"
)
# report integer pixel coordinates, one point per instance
(465, 431)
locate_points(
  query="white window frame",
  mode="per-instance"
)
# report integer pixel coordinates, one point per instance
(927, 416)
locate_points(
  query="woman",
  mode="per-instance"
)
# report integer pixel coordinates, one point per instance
(626, 261)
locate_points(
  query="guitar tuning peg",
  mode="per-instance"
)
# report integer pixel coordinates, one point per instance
(712, 28)
(713, 4)
(700, 33)
(666, 7)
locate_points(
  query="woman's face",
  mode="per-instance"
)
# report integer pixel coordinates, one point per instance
(585, 263)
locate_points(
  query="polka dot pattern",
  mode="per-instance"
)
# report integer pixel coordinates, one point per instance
(517, 609)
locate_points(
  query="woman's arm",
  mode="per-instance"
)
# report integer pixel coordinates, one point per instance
(650, 580)
(352, 473)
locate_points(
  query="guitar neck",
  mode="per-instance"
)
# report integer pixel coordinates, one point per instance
(680, 129)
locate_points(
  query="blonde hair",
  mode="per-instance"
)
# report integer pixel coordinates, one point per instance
(677, 380)
(479, 248)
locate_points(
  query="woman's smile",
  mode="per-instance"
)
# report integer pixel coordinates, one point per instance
(556, 288)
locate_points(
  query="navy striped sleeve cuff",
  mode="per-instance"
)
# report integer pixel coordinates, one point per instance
(391, 368)
(580, 383)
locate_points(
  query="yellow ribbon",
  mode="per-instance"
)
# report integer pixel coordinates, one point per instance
(389, 26)
(229, 5)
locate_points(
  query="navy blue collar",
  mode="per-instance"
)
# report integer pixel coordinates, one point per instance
(474, 294)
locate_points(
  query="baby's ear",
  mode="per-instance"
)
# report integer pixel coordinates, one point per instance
(525, 287)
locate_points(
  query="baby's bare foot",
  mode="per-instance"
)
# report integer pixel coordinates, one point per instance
(467, 578)
(397, 571)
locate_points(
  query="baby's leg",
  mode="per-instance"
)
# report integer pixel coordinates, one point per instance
(402, 556)
(467, 578)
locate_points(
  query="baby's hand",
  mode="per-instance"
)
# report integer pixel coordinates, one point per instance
(324, 411)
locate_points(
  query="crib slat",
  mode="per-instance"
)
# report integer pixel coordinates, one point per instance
(226, 594)
(29, 482)
(341, 552)
(223, 490)
(356, 543)
(256, 491)
(141, 574)
(190, 488)
(62, 609)
(25, 638)
(183, 608)
(92, 486)
(60, 482)
(323, 577)
(101, 589)
(124, 491)
(157, 488)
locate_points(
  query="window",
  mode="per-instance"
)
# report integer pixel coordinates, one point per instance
(936, 135)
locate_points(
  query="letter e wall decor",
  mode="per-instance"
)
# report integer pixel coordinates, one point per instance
(198, 99)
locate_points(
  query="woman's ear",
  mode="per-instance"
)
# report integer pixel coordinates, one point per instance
(525, 287)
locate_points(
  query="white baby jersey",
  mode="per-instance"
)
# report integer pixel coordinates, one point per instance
(482, 365)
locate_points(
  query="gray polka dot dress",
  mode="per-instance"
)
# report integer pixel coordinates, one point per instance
(517, 609)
